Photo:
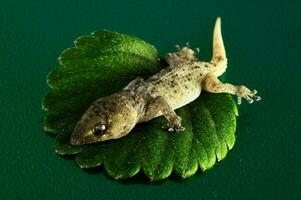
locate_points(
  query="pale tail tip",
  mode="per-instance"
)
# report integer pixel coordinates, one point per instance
(218, 20)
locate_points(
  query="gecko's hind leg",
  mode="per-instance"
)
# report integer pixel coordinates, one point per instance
(159, 104)
(212, 84)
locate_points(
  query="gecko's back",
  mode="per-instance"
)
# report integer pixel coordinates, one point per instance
(178, 85)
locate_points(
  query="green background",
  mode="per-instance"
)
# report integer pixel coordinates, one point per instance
(262, 40)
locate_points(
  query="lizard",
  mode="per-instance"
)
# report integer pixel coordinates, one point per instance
(114, 116)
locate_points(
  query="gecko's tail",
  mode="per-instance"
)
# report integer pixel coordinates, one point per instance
(219, 59)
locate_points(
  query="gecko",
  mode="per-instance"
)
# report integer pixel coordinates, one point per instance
(114, 116)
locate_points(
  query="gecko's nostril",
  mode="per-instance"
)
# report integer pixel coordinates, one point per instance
(73, 141)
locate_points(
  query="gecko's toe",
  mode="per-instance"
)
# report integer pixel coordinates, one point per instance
(250, 100)
(257, 98)
(168, 128)
(171, 129)
(180, 129)
(238, 100)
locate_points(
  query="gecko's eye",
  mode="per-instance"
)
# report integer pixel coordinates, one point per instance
(99, 130)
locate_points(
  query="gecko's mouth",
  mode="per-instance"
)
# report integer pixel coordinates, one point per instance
(83, 140)
(80, 136)
(74, 141)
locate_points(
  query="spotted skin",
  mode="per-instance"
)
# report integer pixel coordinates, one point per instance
(161, 94)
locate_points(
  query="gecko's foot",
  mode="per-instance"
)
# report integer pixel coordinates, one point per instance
(244, 92)
(174, 125)
(173, 128)
(183, 55)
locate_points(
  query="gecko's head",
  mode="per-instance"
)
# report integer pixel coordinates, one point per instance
(107, 118)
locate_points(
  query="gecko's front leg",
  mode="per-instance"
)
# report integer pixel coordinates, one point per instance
(212, 84)
(158, 104)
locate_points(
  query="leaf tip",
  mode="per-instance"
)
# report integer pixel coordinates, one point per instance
(184, 176)
(235, 109)
(118, 177)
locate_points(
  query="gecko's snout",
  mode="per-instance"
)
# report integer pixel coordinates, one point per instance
(79, 135)
(108, 118)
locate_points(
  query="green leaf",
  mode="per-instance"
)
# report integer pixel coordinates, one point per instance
(102, 64)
